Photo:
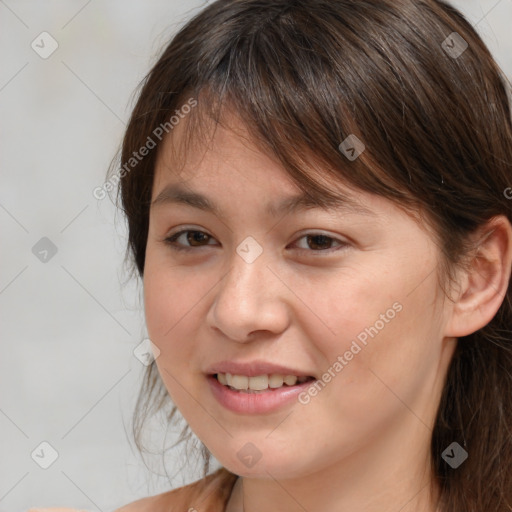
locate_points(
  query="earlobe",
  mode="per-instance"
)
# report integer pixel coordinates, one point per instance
(485, 282)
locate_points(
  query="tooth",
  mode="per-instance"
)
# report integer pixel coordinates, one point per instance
(290, 380)
(275, 381)
(258, 383)
(240, 381)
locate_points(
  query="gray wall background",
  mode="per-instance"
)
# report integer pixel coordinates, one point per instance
(70, 321)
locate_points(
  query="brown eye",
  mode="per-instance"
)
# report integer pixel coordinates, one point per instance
(320, 242)
(197, 237)
(189, 239)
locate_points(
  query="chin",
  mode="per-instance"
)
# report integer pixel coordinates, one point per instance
(265, 467)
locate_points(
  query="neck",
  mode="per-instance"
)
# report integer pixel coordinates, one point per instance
(247, 497)
(398, 477)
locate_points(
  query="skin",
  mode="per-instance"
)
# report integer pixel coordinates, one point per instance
(363, 443)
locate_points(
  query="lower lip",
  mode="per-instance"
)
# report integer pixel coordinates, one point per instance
(255, 403)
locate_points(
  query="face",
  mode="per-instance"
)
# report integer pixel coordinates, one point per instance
(347, 297)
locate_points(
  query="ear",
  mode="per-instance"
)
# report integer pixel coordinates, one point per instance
(484, 283)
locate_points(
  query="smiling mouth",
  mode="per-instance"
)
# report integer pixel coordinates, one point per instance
(260, 383)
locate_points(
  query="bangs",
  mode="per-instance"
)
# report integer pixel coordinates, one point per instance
(296, 107)
(316, 177)
(303, 78)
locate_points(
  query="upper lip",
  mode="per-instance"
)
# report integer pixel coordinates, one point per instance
(253, 369)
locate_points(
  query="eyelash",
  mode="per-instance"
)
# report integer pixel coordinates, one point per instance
(171, 242)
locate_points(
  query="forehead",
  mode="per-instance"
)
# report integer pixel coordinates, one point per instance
(193, 170)
(199, 141)
(205, 162)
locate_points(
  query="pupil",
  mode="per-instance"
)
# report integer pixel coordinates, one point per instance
(322, 238)
(196, 236)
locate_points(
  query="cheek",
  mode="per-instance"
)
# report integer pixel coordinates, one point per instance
(343, 308)
(160, 302)
(166, 306)
(170, 294)
(171, 299)
(377, 336)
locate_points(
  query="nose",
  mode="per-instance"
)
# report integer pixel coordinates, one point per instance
(249, 299)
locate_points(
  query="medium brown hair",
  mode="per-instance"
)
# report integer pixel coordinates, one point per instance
(303, 75)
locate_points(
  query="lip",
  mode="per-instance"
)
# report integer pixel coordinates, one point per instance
(255, 403)
(254, 368)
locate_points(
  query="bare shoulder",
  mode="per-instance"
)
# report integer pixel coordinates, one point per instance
(56, 509)
(165, 502)
(210, 493)
(158, 503)
(142, 505)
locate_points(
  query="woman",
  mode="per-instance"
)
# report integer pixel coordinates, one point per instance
(316, 196)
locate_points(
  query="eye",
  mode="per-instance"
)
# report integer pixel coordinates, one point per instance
(315, 242)
(319, 242)
(194, 237)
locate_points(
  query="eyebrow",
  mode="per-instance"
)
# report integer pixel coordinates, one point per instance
(177, 194)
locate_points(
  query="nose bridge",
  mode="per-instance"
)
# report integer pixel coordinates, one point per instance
(248, 297)
(248, 270)
(247, 276)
